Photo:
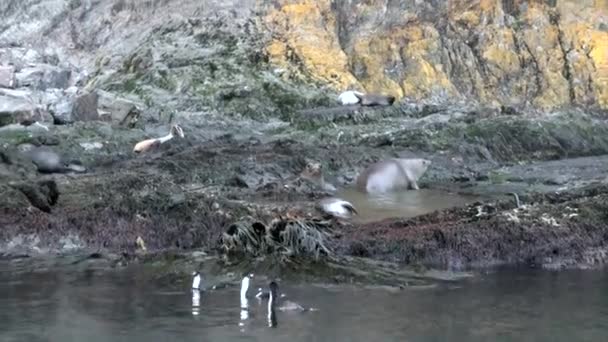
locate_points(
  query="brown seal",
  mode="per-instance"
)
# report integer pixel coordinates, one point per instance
(371, 100)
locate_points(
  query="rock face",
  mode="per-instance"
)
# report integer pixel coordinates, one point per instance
(544, 54)
(42, 77)
(7, 77)
(524, 54)
(15, 110)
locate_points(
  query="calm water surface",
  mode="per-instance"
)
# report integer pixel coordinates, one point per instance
(125, 305)
(401, 204)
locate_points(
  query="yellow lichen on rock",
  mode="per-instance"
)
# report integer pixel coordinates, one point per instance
(424, 75)
(499, 52)
(599, 54)
(302, 29)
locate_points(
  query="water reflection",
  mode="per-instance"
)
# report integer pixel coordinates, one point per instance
(196, 302)
(127, 305)
(373, 207)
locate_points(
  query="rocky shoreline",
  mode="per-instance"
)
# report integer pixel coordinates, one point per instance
(250, 127)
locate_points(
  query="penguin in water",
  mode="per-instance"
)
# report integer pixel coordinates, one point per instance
(287, 305)
(196, 280)
(196, 293)
(244, 300)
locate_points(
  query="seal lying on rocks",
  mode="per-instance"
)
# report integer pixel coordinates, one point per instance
(149, 144)
(371, 100)
(392, 174)
(49, 161)
(349, 97)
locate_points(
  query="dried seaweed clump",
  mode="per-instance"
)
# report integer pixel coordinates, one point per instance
(291, 237)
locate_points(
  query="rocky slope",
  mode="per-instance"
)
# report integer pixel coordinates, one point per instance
(502, 96)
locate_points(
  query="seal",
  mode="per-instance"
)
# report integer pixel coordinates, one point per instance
(149, 144)
(392, 174)
(349, 97)
(371, 100)
(314, 173)
(49, 161)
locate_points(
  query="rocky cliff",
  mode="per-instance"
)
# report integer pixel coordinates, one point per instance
(249, 55)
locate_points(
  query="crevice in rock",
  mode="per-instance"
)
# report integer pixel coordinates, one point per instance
(566, 72)
(537, 71)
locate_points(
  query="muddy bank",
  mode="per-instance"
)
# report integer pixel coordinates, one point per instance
(186, 195)
(555, 230)
(256, 102)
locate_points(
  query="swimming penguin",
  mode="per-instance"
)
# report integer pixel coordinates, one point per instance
(284, 305)
(148, 144)
(49, 161)
(337, 207)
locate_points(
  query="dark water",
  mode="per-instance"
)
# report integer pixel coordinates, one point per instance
(127, 306)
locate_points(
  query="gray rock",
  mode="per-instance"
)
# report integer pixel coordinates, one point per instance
(75, 108)
(85, 107)
(43, 76)
(15, 110)
(121, 111)
(62, 111)
(7, 77)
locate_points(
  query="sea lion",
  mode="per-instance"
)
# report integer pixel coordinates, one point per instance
(149, 144)
(49, 161)
(371, 100)
(313, 172)
(392, 174)
(349, 97)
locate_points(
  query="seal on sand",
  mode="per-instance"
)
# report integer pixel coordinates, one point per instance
(371, 100)
(49, 161)
(149, 144)
(392, 174)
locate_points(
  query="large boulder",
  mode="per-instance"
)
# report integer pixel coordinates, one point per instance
(119, 110)
(15, 110)
(7, 77)
(77, 107)
(43, 76)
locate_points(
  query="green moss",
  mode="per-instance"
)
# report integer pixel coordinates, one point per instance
(497, 177)
(16, 137)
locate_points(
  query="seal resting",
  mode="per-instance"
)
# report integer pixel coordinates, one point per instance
(349, 97)
(392, 174)
(314, 173)
(149, 144)
(49, 161)
(371, 100)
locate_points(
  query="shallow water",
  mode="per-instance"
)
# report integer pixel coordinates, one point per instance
(125, 305)
(402, 204)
